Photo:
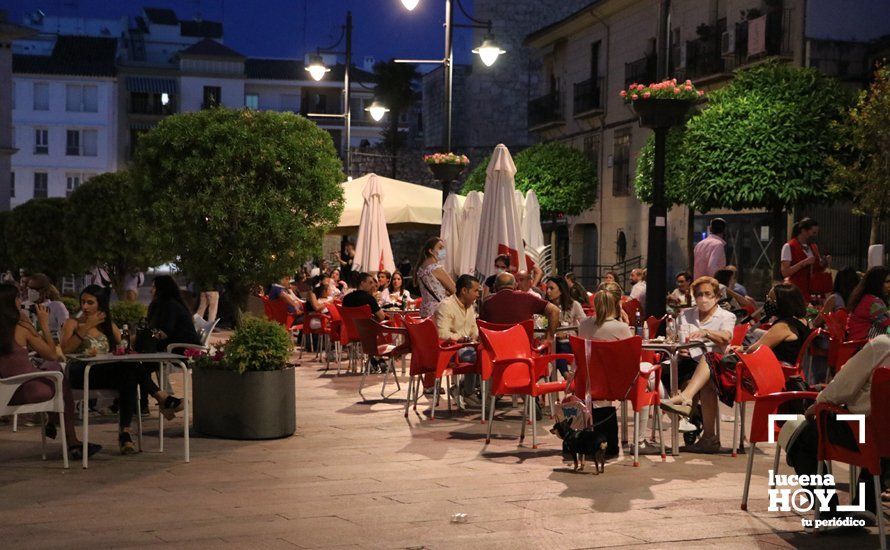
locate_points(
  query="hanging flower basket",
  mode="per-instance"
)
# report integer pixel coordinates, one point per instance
(446, 172)
(661, 104)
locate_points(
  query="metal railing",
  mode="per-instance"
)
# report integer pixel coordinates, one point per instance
(590, 275)
(545, 109)
(703, 57)
(588, 96)
(641, 71)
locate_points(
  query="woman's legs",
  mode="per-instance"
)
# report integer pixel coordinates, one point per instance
(699, 380)
(202, 305)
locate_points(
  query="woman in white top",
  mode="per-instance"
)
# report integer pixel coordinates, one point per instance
(570, 314)
(338, 287)
(430, 277)
(395, 292)
(712, 325)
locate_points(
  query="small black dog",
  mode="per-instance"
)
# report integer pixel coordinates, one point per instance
(578, 445)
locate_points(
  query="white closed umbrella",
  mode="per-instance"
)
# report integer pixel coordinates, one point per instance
(471, 215)
(373, 251)
(499, 227)
(520, 210)
(531, 222)
(449, 232)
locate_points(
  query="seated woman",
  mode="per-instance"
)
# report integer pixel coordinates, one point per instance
(338, 287)
(42, 291)
(395, 293)
(785, 337)
(615, 290)
(316, 301)
(570, 314)
(169, 316)
(611, 277)
(93, 333)
(17, 337)
(282, 291)
(845, 282)
(709, 323)
(868, 305)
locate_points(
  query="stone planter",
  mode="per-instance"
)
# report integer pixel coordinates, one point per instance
(661, 113)
(253, 405)
(446, 173)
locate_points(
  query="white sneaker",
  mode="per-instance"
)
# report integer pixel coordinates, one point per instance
(686, 426)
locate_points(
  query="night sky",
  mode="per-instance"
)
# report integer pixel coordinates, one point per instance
(288, 28)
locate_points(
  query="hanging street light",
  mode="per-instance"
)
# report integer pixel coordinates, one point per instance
(317, 68)
(377, 110)
(489, 50)
(410, 4)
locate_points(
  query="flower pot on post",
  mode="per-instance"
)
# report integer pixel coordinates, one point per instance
(659, 106)
(446, 168)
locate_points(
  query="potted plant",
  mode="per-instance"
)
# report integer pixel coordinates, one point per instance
(446, 167)
(661, 104)
(246, 390)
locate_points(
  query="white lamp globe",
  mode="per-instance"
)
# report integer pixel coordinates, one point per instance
(489, 51)
(410, 4)
(316, 68)
(377, 110)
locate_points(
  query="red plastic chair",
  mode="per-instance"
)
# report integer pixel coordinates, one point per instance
(430, 357)
(516, 371)
(876, 445)
(376, 341)
(654, 323)
(738, 334)
(276, 310)
(348, 330)
(318, 324)
(797, 368)
(631, 307)
(765, 405)
(484, 357)
(610, 371)
(766, 371)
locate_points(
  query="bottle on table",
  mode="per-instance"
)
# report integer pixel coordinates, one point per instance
(638, 323)
(124, 346)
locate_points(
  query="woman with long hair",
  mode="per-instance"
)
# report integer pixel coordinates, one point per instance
(93, 333)
(869, 315)
(168, 314)
(570, 314)
(17, 337)
(396, 291)
(42, 291)
(430, 277)
(845, 282)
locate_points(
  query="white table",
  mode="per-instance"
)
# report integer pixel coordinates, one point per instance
(673, 350)
(165, 359)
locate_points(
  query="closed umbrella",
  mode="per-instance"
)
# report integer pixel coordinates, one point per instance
(373, 252)
(449, 232)
(471, 215)
(531, 221)
(520, 210)
(499, 227)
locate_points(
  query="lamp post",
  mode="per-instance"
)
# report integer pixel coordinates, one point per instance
(488, 52)
(317, 70)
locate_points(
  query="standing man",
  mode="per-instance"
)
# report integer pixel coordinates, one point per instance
(710, 254)
(456, 322)
(800, 256)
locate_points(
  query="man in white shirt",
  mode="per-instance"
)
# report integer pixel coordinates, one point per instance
(638, 290)
(710, 254)
(456, 322)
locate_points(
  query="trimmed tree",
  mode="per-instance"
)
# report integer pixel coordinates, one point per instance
(35, 238)
(239, 197)
(105, 225)
(562, 177)
(861, 167)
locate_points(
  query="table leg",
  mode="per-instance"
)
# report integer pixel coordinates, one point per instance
(675, 418)
(185, 409)
(160, 415)
(86, 414)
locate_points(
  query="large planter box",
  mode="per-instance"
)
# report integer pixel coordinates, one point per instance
(661, 113)
(253, 405)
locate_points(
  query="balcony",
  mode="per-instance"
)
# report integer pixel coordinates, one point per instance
(641, 71)
(545, 111)
(764, 36)
(588, 97)
(703, 57)
(151, 104)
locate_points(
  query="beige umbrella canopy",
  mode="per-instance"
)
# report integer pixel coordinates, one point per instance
(450, 234)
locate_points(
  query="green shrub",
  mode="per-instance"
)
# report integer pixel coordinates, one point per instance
(128, 313)
(71, 304)
(258, 345)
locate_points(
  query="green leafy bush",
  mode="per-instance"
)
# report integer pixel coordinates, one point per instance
(258, 345)
(35, 238)
(128, 313)
(71, 304)
(562, 177)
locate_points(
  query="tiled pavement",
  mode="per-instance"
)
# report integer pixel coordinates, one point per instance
(357, 475)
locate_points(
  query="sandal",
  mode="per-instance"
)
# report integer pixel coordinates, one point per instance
(75, 452)
(126, 444)
(683, 408)
(170, 407)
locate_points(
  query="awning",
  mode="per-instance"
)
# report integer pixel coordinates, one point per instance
(151, 85)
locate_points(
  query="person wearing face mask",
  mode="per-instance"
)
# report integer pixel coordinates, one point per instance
(501, 265)
(430, 277)
(712, 325)
(800, 256)
(41, 291)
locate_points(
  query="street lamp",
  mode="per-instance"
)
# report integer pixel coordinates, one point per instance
(317, 70)
(488, 52)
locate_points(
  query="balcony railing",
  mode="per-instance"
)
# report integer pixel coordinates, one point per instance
(151, 106)
(546, 109)
(703, 57)
(641, 71)
(776, 39)
(588, 96)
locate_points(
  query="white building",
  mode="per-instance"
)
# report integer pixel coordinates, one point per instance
(64, 112)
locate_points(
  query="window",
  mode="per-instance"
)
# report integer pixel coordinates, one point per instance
(252, 101)
(592, 149)
(212, 96)
(595, 59)
(72, 143)
(12, 185)
(90, 143)
(41, 184)
(290, 102)
(41, 141)
(81, 99)
(41, 96)
(72, 183)
(621, 163)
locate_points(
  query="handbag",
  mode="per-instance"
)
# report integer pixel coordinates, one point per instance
(145, 341)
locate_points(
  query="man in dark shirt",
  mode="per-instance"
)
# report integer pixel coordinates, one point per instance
(362, 295)
(510, 306)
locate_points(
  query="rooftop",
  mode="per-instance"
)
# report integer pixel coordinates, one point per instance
(206, 29)
(210, 48)
(74, 55)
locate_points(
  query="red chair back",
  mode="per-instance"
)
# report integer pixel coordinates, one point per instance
(654, 323)
(349, 332)
(276, 310)
(738, 334)
(336, 320)
(878, 425)
(836, 323)
(804, 350)
(426, 354)
(514, 378)
(316, 323)
(607, 370)
(484, 356)
(631, 307)
(766, 371)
